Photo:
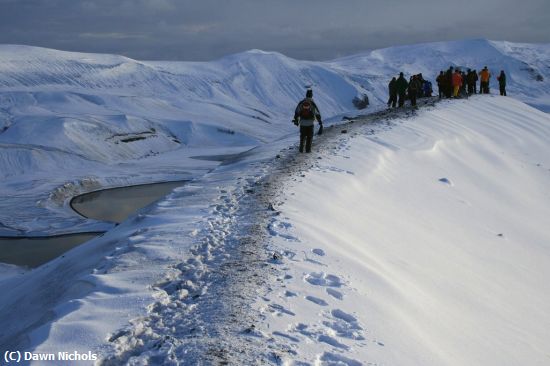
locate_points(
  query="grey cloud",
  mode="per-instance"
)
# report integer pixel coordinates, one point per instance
(307, 29)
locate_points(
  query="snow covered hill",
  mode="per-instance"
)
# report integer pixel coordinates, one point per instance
(111, 121)
(424, 244)
(419, 239)
(527, 66)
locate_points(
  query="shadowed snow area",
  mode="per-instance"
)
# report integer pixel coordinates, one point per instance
(416, 237)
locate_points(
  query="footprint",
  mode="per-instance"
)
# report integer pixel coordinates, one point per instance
(317, 300)
(333, 342)
(345, 325)
(284, 335)
(339, 314)
(345, 330)
(329, 358)
(303, 329)
(277, 228)
(279, 310)
(323, 279)
(446, 181)
(319, 252)
(381, 344)
(336, 294)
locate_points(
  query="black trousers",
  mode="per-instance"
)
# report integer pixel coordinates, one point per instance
(412, 97)
(503, 90)
(393, 100)
(484, 87)
(306, 137)
(401, 99)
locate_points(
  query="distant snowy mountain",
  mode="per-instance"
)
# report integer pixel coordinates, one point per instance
(527, 65)
(69, 117)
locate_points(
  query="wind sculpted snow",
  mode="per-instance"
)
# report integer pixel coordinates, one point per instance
(390, 266)
(421, 237)
(117, 121)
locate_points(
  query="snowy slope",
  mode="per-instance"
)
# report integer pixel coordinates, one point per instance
(430, 246)
(527, 66)
(402, 260)
(425, 244)
(73, 122)
(106, 120)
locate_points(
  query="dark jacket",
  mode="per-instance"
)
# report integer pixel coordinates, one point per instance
(471, 77)
(401, 84)
(501, 79)
(414, 86)
(315, 114)
(392, 86)
(440, 79)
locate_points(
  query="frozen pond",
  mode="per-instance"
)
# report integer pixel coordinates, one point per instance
(117, 204)
(32, 252)
(113, 205)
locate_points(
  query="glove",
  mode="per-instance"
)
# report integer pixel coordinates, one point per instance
(320, 129)
(295, 121)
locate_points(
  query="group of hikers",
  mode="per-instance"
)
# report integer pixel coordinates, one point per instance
(456, 83)
(415, 88)
(453, 83)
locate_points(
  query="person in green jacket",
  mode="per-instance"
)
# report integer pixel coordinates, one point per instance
(401, 85)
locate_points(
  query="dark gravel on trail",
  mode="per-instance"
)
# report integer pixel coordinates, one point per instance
(236, 262)
(257, 265)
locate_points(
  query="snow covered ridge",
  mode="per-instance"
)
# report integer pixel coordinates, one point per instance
(429, 247)
(68, 117)
(350, 288)
(423, 244)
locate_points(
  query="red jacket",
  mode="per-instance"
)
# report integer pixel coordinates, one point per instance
(457, 79)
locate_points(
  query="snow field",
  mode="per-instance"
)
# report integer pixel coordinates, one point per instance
(423, 244)
(414, 241)
(115, 121)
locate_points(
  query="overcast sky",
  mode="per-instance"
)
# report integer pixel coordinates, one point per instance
(303, 29)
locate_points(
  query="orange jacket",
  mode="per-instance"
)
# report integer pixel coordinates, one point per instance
(484, 75)
(457, 79)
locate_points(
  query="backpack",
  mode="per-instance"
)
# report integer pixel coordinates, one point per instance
(306, 110)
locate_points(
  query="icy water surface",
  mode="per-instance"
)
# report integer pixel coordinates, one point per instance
(32, 252)
(113, 205)
(117, 204)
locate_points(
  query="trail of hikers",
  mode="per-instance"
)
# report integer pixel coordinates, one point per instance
(452, 83)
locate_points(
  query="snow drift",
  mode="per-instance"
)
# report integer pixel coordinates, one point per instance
(429, 245)
(425, 244)
(68, 112)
